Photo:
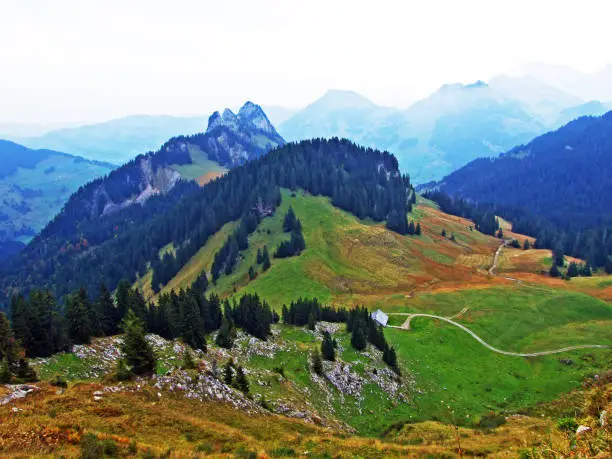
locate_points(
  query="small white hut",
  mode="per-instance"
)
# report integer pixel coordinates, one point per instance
(380, 317)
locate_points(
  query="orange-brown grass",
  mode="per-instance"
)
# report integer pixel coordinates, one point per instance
(52, 424)
(209, 177)
(49, 423)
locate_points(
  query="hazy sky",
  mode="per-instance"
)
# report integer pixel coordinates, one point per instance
(80, 60)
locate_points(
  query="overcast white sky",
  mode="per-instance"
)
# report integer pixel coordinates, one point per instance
(80, 60)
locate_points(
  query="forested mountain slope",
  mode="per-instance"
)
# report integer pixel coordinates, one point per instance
(84, 248)
(555, 188)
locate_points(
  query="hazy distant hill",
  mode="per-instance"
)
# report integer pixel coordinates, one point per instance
(34, 184)
(117, 141)
(444, 131)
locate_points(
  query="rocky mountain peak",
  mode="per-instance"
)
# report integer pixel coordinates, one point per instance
(253, 114)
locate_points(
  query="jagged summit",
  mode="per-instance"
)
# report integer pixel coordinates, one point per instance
(250, 115)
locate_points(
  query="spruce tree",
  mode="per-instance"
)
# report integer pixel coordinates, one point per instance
(390, 358)
(526, 244)
(252, 273)
(417, 230)
(241, 382)
(135, 347)
(107, 312)
(572, 270)
(78, 318)
(312, 322)
(290, 220)
(358, 339)
(558, 256)
(227, 333)
(554, 270)
(317, 363)
(259, 256)
(327, 347)
(123, 298)
(5, 372)
(228, 372)
(265, 259)
(9, 349)
(443, 233)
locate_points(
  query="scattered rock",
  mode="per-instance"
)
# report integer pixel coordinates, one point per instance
(582, 430)
(17, 391)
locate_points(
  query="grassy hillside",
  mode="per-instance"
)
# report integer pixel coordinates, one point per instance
(352, 262)
(201, 169)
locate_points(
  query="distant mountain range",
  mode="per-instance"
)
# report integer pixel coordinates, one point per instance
(585, 85)
(446, 130)
(34, 184)
(116, 141)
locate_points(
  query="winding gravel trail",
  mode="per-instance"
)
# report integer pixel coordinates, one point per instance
(406, 326)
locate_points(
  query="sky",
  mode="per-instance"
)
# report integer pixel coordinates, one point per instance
(86, 60)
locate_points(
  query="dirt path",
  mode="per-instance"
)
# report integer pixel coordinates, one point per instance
(496, 262)
(406, 326)
(496, 258)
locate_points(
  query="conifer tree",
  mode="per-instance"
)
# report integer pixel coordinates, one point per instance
(107, 312)
(358, 339)
(290, 220)
(317, 363)
(572, 270)
(227, 333)
(135, 347)
(443, 233)
(78, 319)
(558, 256)
(417, 230)
(327, 347)
(554, 270)
(526, 244)
(252, 273)
(123, 300)
(390, 358)
(265, 259)
(259, 256)
(5, 372)
(228, 372)
(9, 349)
(241, 382)
(312, 322)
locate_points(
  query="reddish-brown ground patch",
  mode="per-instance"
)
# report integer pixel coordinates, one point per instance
(209, 177)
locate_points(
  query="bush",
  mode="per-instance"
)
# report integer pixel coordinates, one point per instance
(204, 447)
(59, 382)
(283, 452)
(491, 421)
(91, 447)
(567, 425)
(110, 447)
(123, 372)
(280, 370)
